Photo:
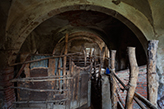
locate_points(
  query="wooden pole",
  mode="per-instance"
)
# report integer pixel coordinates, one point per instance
(152, 83)
(134, 69)
(65, 61)
(38, 80)
(139, 103)
(120, 98)
(26, 62)
(145, 101)
(39, 90)
(113, 81)
(51, 72)
(85, 57)
(140, 97)
(109, 59)
(94, 64)
(65, 53)
(58, 85)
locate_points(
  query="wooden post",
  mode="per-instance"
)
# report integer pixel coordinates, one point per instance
(51, 84)
(65, 53)
(109, 59)
(58, 74)
(134, 69)
(85, 57)
(94, 64)
(64, 63)
(120, 98)
(152, 83)
(113, 81)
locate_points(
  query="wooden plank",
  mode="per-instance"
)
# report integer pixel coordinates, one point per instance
(134, 70)
(152, 83)
(51, 72)
(78, 84)
(113, 81)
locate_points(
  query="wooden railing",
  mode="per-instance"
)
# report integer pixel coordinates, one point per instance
(130, 88)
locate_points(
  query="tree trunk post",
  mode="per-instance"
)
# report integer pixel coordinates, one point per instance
(113, 81)
(134, 69)
(152, 83)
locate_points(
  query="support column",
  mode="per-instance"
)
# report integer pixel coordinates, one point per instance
(9, 95)
(106, 95)
(152, 83)
(134, 70)
(113, 81)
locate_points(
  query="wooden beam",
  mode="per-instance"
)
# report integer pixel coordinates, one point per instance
(51, 72)
(39, 102)
(39, 80)
(134, 70)
(113, 81)
(65, 60)
(152, 83)
(65, 53)
(125, 87)
(25, 62)
(139, 103)
(122, 107)
(145, 101)
(140, 97)
(39, 90)
(120, 98)
(109, 59)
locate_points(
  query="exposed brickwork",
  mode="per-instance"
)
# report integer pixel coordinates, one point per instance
(141, 83)
(7, 94)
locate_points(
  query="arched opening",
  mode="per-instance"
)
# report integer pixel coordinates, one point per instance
(84, 24)
(23, 30)
(84, 28)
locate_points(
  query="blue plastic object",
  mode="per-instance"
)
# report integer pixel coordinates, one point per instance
(107, 71)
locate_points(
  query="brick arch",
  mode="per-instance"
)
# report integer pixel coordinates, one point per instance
(33, 17)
